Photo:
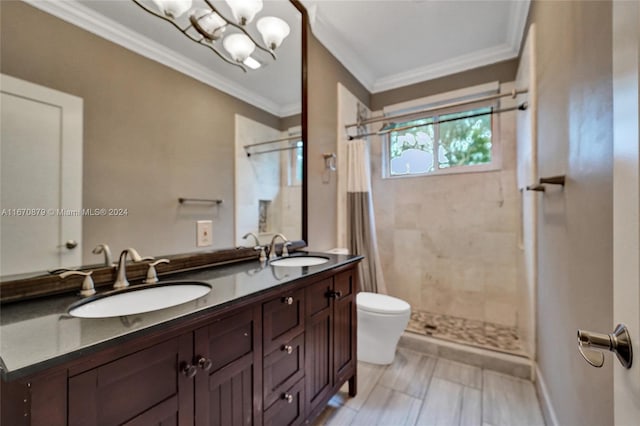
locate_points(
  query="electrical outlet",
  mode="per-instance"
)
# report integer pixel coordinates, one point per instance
(203, 233)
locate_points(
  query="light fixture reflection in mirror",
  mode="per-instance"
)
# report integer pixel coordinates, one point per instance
(206, 25)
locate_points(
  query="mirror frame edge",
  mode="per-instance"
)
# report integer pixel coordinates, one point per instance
(304, 115)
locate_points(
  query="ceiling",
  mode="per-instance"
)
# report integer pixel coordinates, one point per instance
(388, 44)
(384, 43)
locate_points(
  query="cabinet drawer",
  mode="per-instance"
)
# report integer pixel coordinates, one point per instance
(228, 339)
(283, 318)
(345, 284)
(282, 368)
(288, 409)
(317, 296)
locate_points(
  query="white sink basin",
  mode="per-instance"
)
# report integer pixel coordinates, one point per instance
(136, 301)
(299, 261)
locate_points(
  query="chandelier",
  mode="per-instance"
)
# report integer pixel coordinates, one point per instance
(204, 24)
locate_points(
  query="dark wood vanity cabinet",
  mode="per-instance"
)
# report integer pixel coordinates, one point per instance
(144, 388)
(274, 361)
(330, 338)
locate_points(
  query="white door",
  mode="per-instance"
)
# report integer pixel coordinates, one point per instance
(626, 202)
(40, 178)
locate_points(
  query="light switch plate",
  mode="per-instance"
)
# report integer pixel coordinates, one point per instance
(203, 233)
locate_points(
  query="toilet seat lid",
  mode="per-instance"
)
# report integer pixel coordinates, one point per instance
(381, 303)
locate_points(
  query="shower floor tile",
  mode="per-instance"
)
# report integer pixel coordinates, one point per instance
(480, 334)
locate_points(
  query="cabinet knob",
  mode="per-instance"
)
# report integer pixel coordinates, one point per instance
(287, 348)
(204, 363)
(188, 370)
(288, 397)
(334, 294)
(288, 300)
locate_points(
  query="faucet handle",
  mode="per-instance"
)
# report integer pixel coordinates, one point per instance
(152, 275)
(263, 254)
(87, 284)
(285, 250)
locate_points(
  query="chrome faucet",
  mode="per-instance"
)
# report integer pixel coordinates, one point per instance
(121, 274)
(104, 248)
(258, 246)
(255, 238)
(272, 248)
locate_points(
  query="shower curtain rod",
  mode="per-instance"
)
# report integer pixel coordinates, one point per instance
(290, 138)
(249, 154)
(523, 106)
(513, 94)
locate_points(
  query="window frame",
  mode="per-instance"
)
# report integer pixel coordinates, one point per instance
(496, 144)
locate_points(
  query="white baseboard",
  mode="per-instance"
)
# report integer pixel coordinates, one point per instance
(545, 400)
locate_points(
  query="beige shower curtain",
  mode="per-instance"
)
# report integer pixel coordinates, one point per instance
(361, 228)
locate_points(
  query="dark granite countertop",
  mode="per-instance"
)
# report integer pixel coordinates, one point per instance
(38, 334)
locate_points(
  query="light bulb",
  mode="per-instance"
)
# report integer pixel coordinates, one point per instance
(239, 46)
(173, 8)
(273, 31)
(244, 10)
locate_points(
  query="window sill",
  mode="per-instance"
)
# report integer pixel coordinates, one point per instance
(481, 168)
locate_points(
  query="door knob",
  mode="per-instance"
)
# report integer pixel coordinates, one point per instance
(592, 345)
(69, 244)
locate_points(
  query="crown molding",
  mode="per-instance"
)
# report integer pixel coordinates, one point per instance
(290, 109)
(326, 33)
(328, 36)
(517, 22)
(444, 68)
(79, 15)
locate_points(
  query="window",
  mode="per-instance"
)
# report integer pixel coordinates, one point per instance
(450, 142)
(294, 177)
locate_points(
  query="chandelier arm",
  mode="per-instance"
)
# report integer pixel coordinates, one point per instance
(241, 28)
(184, 31)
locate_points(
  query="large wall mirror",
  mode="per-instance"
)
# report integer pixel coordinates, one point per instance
(165, 129)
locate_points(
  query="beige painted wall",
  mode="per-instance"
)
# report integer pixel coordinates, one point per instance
(574, 75)
(324, 73)
(448, 243)
(151, 134)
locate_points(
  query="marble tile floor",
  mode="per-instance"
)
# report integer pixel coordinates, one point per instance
(480, 334)
(422, 390)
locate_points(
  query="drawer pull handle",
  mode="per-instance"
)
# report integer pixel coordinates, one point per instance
(204, 363)
(288, 349)
(288, 300)
(288, 397)
(188, 370)
(334, 294)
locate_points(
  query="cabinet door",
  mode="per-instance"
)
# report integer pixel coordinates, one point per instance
(344, 326)
(318, 343)
(144, 388)
(228, 388)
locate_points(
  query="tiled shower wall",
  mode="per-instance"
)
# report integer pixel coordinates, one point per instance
(449, 243)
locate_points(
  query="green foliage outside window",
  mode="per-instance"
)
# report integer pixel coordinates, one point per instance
(459, 139)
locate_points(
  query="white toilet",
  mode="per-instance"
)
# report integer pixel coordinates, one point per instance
(381, 321)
